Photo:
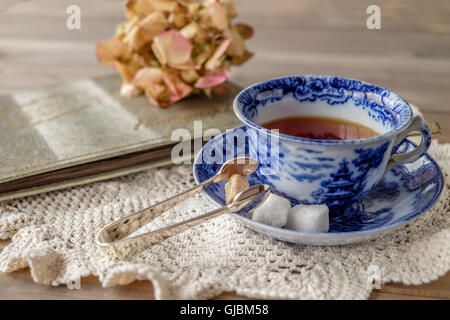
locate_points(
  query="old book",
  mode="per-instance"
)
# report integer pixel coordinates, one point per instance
(84, 131)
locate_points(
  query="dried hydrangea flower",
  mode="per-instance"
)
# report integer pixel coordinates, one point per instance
(216, 15)
(212, 79)
(170, 49)
(109, 51)
(217, 58)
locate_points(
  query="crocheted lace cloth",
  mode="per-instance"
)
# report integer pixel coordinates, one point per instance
(54, 234)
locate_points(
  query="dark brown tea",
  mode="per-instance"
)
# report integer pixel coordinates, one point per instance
(320, 128)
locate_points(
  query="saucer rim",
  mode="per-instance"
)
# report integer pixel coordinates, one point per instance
(322, 235)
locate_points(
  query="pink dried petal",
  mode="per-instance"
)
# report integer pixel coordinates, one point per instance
(169, 81)
(191, 6)
(131, 23)
(189, 65)
(237, 46)
(153, 101)
(171, 47)
(178, 88)
(220, 50)
(164, 5)
(138, 7)
(201, 58)
(153, 24)
(189, 76)
(155, 90)
(212, 79)
(184, 91)
(132, 38)
(214, 61)
(108, 51)
(129, 90)
(150, 79)
(231, 11)
(190, 30)
(147, 77)
(217, 16)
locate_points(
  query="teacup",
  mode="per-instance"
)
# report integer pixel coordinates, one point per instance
(333, 172)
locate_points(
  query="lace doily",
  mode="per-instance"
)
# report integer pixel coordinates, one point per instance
(54, 234)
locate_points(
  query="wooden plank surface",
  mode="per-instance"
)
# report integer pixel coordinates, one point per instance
(410, 55)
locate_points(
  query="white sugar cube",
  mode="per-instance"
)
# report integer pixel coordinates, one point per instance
(308, 218)
(273, 211)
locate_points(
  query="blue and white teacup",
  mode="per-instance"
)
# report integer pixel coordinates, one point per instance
(334, 172)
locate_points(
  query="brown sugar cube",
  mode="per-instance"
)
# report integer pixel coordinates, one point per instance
(235, 184)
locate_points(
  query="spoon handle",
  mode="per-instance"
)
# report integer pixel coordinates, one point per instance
(122, 228)
(113, 238)
(151, 238)
(256, 193)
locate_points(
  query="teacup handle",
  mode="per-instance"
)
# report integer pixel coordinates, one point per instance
(417, 124)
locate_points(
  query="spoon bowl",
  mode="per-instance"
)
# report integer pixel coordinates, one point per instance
(240, 165)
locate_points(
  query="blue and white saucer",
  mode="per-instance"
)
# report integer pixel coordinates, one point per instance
(405, 193)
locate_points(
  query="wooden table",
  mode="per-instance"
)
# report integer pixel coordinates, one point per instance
(410, 55)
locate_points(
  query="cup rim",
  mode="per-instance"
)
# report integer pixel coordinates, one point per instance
(394, 131)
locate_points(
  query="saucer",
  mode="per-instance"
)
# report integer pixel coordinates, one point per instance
(405, 193)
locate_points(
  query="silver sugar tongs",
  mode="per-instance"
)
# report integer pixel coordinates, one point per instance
(114, 236)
